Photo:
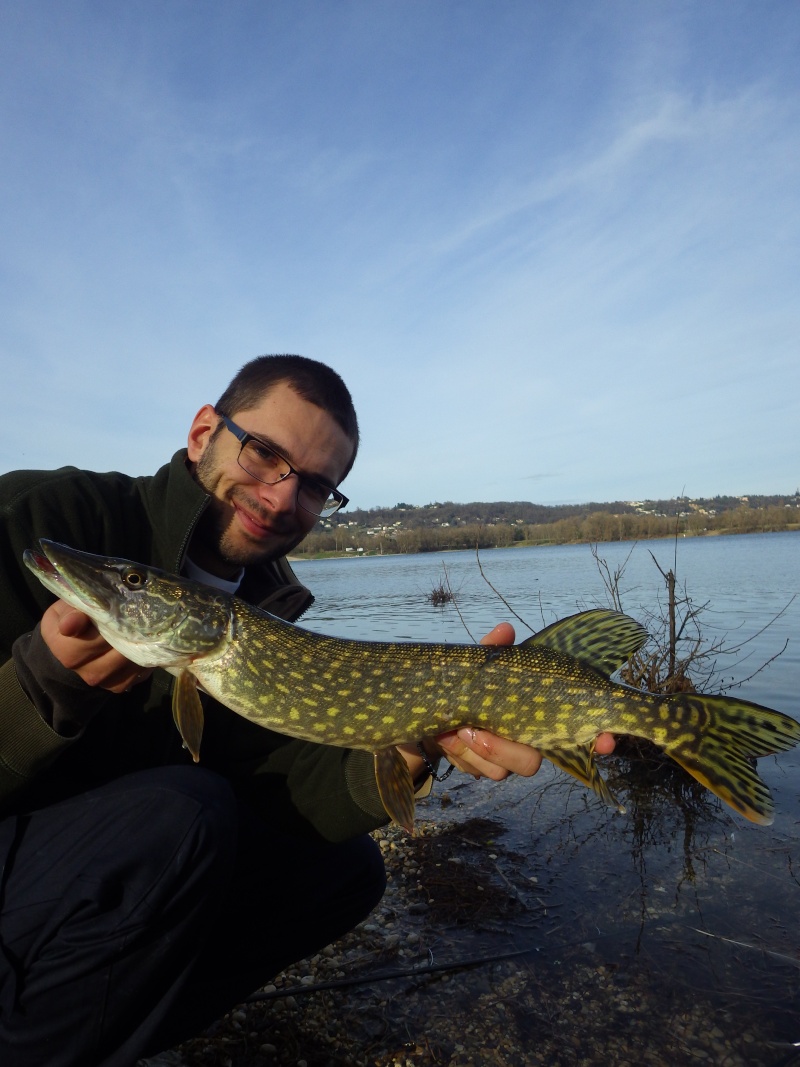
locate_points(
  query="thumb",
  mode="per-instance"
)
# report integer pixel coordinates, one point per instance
(71, 621)
(502, 634)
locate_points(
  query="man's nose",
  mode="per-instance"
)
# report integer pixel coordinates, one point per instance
(280, 496)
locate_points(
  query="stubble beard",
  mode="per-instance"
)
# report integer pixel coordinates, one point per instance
(216, 527)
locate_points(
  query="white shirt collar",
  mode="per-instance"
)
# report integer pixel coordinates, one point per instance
(197, 574)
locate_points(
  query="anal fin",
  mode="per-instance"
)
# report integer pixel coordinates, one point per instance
(578, 760)
(396, 787)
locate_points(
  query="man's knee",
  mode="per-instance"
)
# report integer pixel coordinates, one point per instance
(142, 840)
(196, 783)
(374, 870)
(188, 814)
(361, 875)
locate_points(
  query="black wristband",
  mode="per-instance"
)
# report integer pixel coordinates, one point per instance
(431, 769)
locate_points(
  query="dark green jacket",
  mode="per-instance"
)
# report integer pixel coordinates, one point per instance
(59, 736)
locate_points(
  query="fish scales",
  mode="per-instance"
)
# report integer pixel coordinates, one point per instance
(398, 693)
(553, 691)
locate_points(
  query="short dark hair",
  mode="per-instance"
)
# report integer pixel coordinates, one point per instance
(314, 381)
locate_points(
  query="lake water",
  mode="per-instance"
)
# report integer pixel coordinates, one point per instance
(745, 581)
(686, 912)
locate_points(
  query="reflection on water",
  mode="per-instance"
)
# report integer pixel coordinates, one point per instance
(678, 910)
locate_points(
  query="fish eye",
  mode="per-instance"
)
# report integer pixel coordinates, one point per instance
(134, 579)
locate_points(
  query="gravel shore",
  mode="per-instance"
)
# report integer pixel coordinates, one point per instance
(489, 969)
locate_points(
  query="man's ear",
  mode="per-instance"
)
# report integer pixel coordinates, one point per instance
(203, 425)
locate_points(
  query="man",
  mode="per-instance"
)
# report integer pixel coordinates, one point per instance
(142, 896)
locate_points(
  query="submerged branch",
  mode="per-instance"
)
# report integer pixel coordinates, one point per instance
(416, 971)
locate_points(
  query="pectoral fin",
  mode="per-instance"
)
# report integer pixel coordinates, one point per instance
(187, 711)
(396, 787)
(579, 762)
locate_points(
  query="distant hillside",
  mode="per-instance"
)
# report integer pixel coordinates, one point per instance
(447, 526)
(411, 516)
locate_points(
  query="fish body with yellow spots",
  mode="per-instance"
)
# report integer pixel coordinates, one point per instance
(552, 691)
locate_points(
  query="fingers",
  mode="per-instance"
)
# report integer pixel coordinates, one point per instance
(486, 755)
(76, 643)
(480, 753)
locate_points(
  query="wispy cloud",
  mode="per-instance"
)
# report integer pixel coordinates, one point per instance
(530, 246)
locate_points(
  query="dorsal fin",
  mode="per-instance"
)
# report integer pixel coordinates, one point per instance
(600, 638)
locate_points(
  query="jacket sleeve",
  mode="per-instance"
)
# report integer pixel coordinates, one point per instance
(310, 789)
(321, 791)
(28, 745)
(61, 697)
(33, 731)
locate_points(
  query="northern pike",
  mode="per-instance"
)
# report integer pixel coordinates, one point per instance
(553, 691)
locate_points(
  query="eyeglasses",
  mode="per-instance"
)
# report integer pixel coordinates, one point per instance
(263, 463)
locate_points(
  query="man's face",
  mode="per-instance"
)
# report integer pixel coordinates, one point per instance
(247, 521)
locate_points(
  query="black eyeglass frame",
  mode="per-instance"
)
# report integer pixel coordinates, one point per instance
(244, 437)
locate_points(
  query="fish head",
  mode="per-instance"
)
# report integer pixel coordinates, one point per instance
(152, 617)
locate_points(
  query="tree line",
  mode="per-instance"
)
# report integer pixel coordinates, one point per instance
(591, 527)
(521, 511)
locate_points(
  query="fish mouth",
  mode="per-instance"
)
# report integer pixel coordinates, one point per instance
(66, 573)
(42, 564)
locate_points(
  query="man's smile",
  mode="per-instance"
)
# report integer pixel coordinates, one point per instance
(254, 521)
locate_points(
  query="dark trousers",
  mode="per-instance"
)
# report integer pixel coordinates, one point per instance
(133, 916)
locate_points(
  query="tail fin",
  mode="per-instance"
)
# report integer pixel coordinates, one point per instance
(720, 739)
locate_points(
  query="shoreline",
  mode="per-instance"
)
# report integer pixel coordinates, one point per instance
(356, 554)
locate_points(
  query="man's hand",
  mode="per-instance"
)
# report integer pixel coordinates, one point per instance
(485, 755)
(74, 640)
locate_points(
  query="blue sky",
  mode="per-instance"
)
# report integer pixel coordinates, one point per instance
(553, 247)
